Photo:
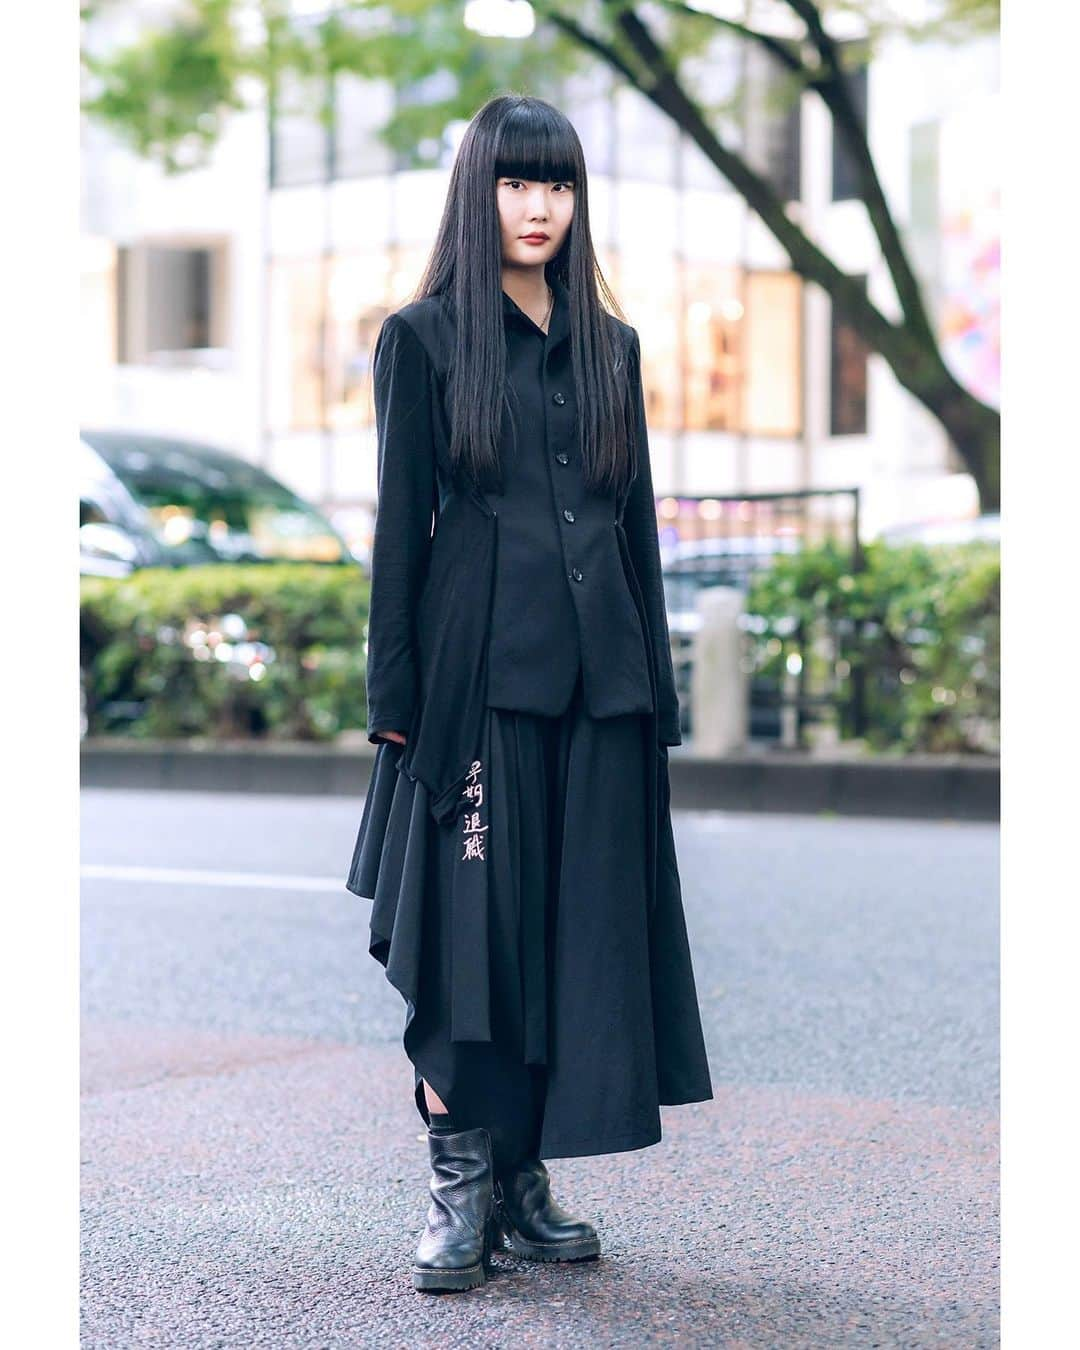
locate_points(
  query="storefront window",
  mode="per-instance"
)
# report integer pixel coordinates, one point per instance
(297, 305)
(407, 263)
(773, 345)
(358, 303)
(363, 289)
(721, 348)
(715, 320)
(648, 295)
(648, 290)
(721, 351)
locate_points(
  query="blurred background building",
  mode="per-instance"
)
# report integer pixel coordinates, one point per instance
(238, 304)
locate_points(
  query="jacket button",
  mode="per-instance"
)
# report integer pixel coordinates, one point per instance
(569, 515)
(560, 399)
(563, 457)
(577, 574)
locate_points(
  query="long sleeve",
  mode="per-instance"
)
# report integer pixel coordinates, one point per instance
(401, 549)
(639, 522)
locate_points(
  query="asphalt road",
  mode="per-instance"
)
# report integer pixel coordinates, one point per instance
(254, 1171)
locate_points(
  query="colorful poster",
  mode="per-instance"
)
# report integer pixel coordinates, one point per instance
(970, 312)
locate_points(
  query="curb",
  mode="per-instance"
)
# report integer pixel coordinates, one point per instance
(921, 787)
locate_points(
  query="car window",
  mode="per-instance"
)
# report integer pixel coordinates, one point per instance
(250, 525)
(203, 506)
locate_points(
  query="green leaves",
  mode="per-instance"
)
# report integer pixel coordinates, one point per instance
(275, 651)
(169, 92)
(921, 627)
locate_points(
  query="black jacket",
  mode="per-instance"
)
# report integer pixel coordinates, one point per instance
(504, 603)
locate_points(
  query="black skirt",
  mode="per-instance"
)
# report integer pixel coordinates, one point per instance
(546, 995)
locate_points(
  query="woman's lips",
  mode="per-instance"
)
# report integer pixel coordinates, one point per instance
(534, 238)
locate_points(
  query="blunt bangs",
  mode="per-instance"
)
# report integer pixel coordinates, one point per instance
(536, 143)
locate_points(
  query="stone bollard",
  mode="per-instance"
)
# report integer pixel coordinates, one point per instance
(719, 688)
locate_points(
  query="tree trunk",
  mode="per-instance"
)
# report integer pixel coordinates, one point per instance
(909, 347)
(973, 426)
(975, 430)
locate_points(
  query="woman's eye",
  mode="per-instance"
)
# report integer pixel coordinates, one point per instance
(517, 182)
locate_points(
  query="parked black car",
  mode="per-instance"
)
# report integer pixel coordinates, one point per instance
(170, 503)
(155, 501)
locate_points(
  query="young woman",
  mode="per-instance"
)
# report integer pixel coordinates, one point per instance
(516, 837)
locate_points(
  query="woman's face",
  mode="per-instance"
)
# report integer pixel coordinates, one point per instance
(534, 219)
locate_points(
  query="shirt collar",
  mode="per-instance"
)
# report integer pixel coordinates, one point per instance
(558, 324)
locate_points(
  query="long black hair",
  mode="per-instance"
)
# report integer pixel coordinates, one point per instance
(513, 135)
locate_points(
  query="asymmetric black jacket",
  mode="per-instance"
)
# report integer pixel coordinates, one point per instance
(516, 589)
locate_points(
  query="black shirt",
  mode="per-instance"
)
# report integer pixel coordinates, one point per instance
(560, 600)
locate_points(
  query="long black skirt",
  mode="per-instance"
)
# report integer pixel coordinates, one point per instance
(546, 998)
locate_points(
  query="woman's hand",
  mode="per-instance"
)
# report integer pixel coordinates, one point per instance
(397, 736)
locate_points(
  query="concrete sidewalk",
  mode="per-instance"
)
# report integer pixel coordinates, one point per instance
(931, 787)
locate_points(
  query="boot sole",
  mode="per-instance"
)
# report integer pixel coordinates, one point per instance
(579, 1249)
(448, 1281)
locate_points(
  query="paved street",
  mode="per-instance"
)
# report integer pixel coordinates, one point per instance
(254, 1171)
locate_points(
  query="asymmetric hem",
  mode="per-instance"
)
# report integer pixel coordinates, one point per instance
(544, 986)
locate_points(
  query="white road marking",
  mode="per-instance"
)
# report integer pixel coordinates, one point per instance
(277, 881)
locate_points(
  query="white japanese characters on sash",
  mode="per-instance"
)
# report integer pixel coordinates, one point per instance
(472, 830)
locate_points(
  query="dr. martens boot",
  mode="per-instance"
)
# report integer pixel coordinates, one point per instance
(535, 1227)
(456, 1243)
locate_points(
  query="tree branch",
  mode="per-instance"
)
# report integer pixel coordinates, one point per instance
(834, 90)
(595, 44)
(668, 95)
(912, 354)
(830, 83)
(785, 52)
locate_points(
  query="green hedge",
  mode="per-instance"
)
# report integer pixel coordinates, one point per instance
(919, 626)
(297, 634)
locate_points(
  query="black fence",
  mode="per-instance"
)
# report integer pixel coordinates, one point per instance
(725, 541)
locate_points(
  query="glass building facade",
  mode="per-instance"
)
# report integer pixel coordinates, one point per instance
(352, 223)
(239, 304)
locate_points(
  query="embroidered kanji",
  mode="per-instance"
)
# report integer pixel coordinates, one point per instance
(472, 830)
(474, 848)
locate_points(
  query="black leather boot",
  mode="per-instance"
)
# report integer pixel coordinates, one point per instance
(456, 1243)
(535, 1227)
